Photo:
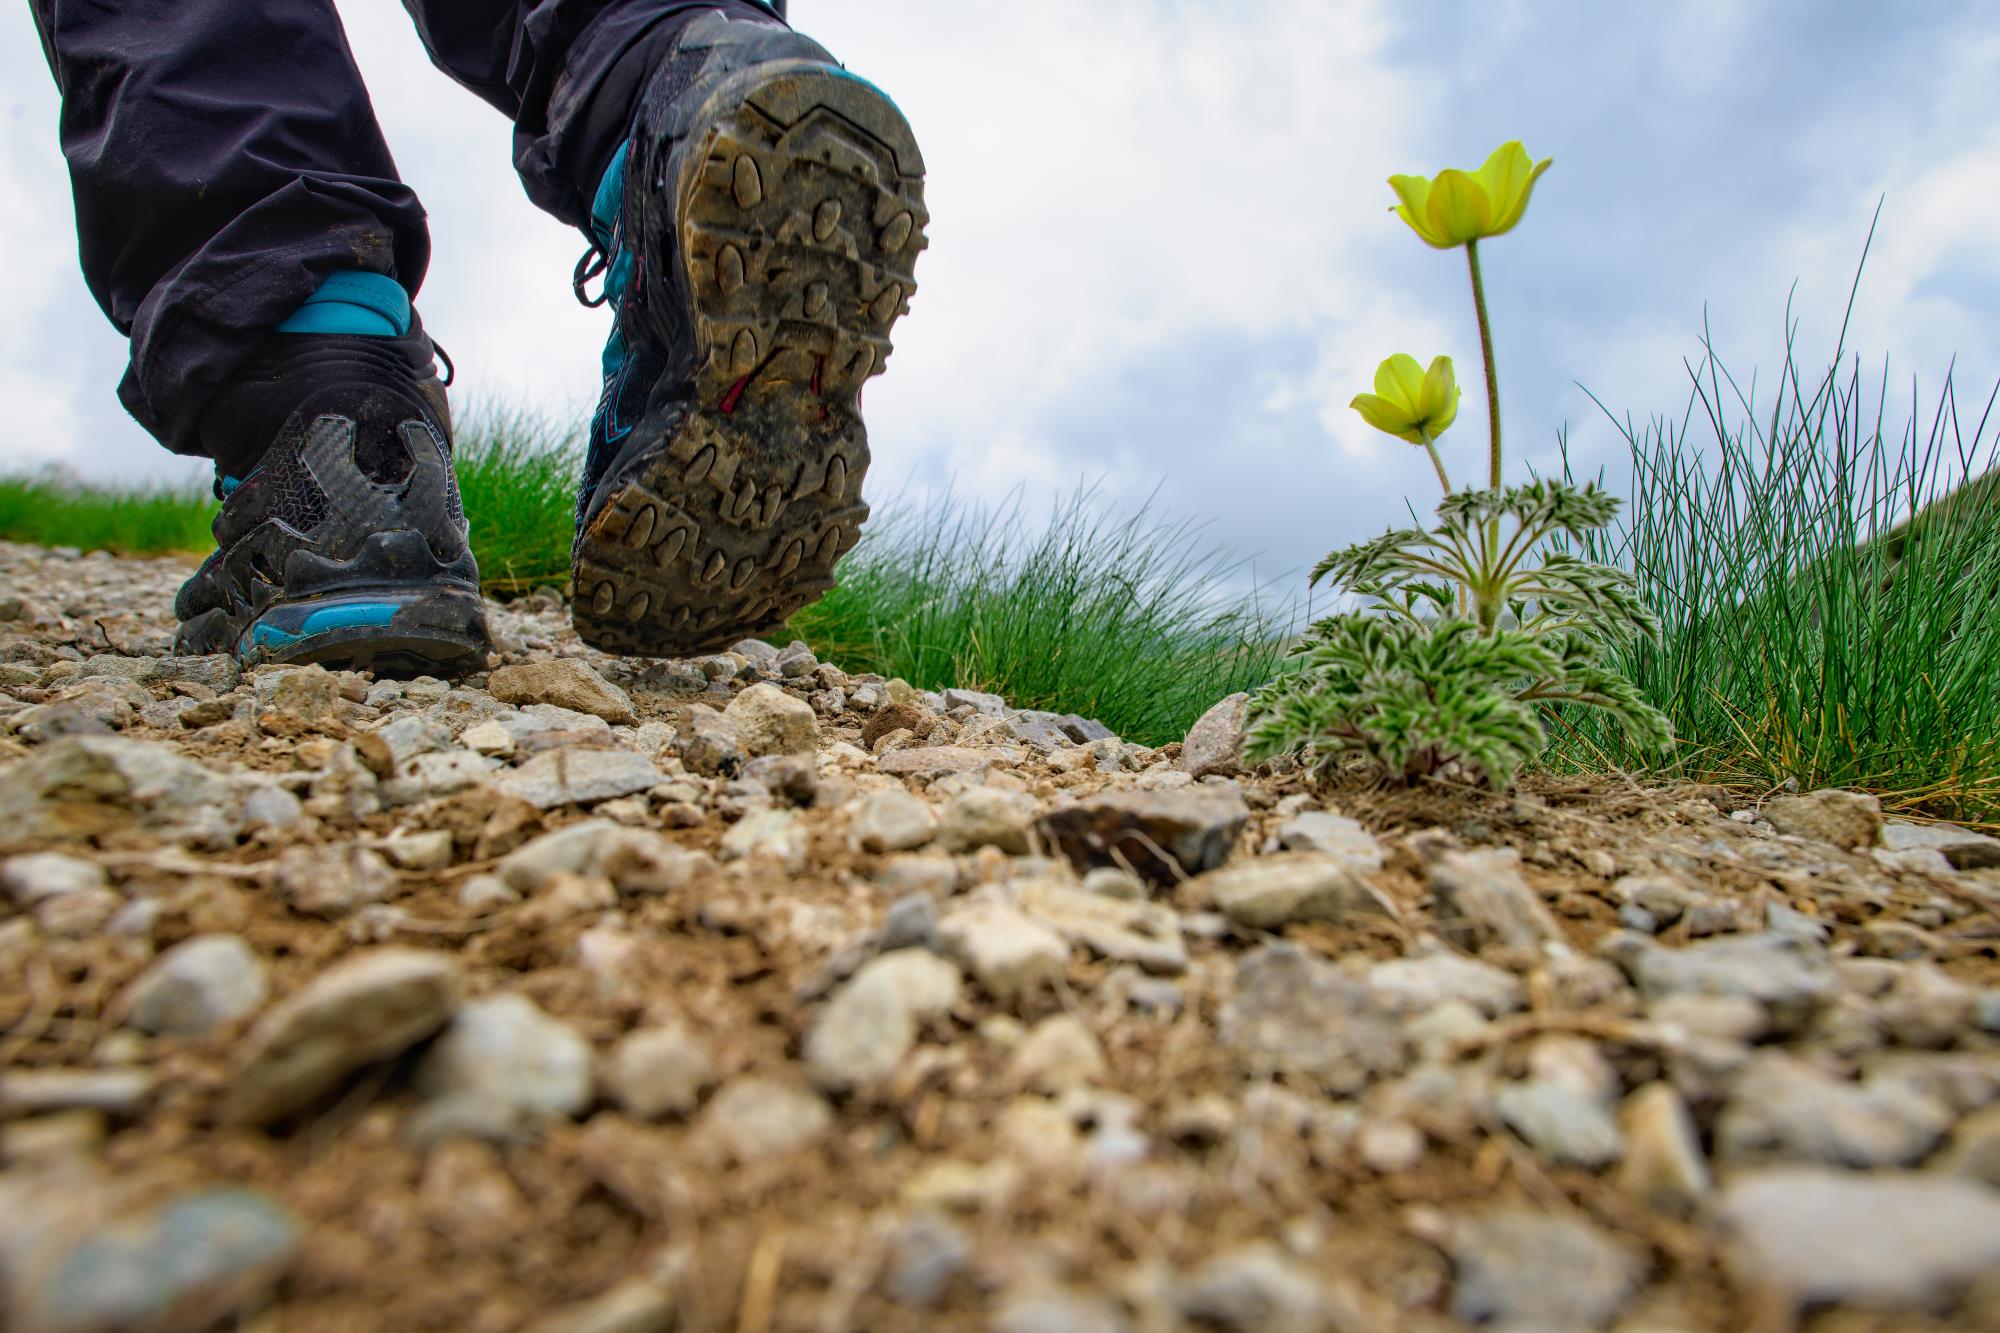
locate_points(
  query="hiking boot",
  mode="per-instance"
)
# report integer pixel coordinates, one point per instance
(342, 540)
(757, 233)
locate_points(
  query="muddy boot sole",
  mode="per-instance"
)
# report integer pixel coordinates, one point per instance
(799, 216)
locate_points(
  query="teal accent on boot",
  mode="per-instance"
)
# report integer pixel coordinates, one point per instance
(607, 206)
(370, 304)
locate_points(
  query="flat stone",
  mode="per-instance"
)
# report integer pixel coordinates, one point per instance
(503, 1050)
(634, 860)
(1257, 1288)
(658, 1072)
(1215, 743)
(1057, 1055)
(579, 777)
(1126, 930)
(1294, 1014)
(31, 878)
(934, 761)
(368, 1007)
(1961, 848)
(76, 786)
(1663, 1163)
(1010, 954)
(197, 986)
(863, 1033)
(775, 835)
(114, 1092)
(987, 817)
(892, 821)
(1161, 836)
(771, 721)
(1788, 974)
(1781, 1107)
(1483, 900)
(1887, 1240)
(331, 881)
(1335, 835)
(754, 1118)
(926, 1254)
(1525, 1269)
(194, 1262)
(990, 704)
(1974, 1151)
(1847, 819)
(1424, 981)
(1267, 892)
(565, 682)
(1561, 1122)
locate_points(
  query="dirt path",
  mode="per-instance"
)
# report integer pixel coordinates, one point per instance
(742, 994)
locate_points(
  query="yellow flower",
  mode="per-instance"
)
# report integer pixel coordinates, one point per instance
(1410, 402)
(1461, 206)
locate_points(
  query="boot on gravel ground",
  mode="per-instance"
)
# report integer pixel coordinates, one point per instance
(757, 235)
(341, 538)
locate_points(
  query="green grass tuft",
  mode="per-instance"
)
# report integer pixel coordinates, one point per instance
(1830, 603)
(50, 510)
(517, 471)
(1120, 619)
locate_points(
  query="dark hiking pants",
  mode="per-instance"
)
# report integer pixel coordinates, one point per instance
(225, 158)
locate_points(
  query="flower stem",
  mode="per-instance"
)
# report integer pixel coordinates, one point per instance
(1437, 463)
(1486, 354)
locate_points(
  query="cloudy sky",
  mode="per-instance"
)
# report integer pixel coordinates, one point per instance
(1160, 256)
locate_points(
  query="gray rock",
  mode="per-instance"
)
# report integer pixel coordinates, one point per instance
(1160, 836)
(634, 860)
(910, 923)
(579, 777)
(1294, 1014)
(935, 761)
(1035, 1306)
(990, 704)
(79, 785)
(73, 916)
(1215, 743)
(1145, 933)
(1663, 1163)
(1531, 1269)
(1335, 835)
(1058, 1055)
(369, 1006)
(331, 881)
(1438, 976)
(1085, 730)
(194, 1262)
(787, 777)
(775, 835)
(658, 1072)
(987, 817)
(863, 1033)
(564, 682)
(1267, 892)
(1010, 954)
(1848, 819)
(504, 1050)
(1926, 1007)
(1483, 900)
(218, 671)
(197, 986)
(34, 877)
(1882, 1240)
(926, 1254)
(1787, 974)
(1974, 1151)
(267, 805)
(1046, 732)
(754, 1118)
(771, 721)
(1961, 848)
(1257, 1289)
(1781, 1107)
(1561, 1122)
(930, 873)
(115, 1092)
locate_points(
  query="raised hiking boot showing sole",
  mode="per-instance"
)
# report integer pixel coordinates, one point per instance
(793, 194)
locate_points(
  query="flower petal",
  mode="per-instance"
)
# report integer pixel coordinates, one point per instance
(1458, 209)
(1380, 413)
(1414, 191)
(1401, 380)
(1439, 407)
(1509, 176)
